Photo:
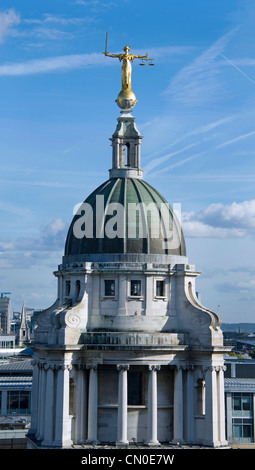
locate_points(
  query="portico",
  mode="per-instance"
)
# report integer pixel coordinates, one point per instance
(182, 395)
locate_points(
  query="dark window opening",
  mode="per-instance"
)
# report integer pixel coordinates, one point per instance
(136, 288)
(109, 287)
(134, 388)
(68, 288)
(160, 288)
(127, 157)
(77, 289)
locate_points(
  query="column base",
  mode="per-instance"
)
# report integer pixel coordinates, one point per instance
(215, 443)
(122, 443)
(92, 442)
(178, 442)
(224, 444)
(62, 444)
(47, 443)
(153, 443)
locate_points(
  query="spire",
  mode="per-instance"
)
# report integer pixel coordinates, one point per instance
(23, 315)
(24, 332)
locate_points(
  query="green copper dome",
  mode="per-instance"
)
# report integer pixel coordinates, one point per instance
(125, 215)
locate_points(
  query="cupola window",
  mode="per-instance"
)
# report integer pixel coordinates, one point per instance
(109, 287)
(127, 155)
(160, 288)
(136, 288)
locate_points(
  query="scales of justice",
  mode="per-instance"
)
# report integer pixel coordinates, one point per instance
(126, 99)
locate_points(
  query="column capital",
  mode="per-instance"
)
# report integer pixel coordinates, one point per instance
(79, 365)
(41, 364)
(92, 366)
(47, 366)
(59, 366)
(215, 368)
(154, 367)
(189, 367)
(35, 362)
(122, 367)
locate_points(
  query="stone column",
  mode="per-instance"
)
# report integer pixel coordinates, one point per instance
(253, 408)
(62, 417)
(221, 405)
(189, 416)
(138, 155)
(81, 405)
(92, 404)
(122, 405)
(49, 408)
(39, 401)
(41, 407)
(178, 405)
(116, 163)
(211, 407)
(34, 398)
(152, 406)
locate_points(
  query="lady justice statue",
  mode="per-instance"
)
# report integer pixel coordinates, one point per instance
(126, 99)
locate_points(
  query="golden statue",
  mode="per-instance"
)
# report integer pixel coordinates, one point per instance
(126, 98)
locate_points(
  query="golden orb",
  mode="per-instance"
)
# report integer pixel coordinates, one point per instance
(126, 99)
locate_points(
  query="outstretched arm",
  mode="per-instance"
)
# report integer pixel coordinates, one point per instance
(118, 56)
(133, 56)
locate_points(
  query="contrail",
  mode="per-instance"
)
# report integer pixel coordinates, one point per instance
(237, 68)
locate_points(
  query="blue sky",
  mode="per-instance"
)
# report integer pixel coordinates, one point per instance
(196, 111)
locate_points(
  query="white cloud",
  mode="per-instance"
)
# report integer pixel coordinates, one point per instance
(221, 221)
(69, 62)
(25, 252)
(95, 4)
(53, 27)
(53, 64)
(8, 19)
(197, 229)
(13, 209)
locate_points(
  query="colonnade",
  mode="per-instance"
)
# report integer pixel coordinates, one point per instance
(53, 425)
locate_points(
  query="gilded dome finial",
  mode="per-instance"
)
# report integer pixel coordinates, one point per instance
(126, 99)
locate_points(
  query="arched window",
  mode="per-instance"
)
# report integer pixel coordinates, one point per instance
(127, 154)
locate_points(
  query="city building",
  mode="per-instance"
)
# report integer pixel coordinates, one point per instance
(15, 402)
(7, 341)
(127, 353)
(240, 401)
(4, 314)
